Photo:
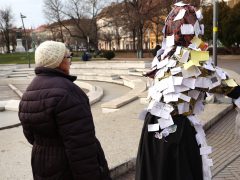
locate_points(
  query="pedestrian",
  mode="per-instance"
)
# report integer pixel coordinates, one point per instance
(56, 118)
(173, 144)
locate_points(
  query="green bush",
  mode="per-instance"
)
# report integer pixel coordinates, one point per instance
(108, 54)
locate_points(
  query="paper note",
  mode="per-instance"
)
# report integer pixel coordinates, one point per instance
(214, 81)
(155, 61)
(164, 43)
(209, 162)
(183, 107)
(193, 47)
(181, 88)
(180, 15)
(184, 97)
(160, 73)
(178, 50)
(177, 80)
(221, 73)
(143, 114)
(198, 108)
(153, 127)
(170, 41)
(197, 41)
(189, 64)
(197, 28)
(150, 105)
(237, 102)
(172, 63)
(176, 70)
(231, 83)
(185, 56)
(187, 29)
(194, 120)
(170, 85)
(199, 15)
(162, 63)
(200, 139)
(160, 52)
(180, 4)
(194, 94)
(205, 150)
(165, 122)
(161, 110)
(154, 93)
(202, 82)
(189, 82)
(192, 71)
(166, 51)
(208, 65)
(202, 29)
(161, 85)
(171, 97)
(164, 28)
(200, 55)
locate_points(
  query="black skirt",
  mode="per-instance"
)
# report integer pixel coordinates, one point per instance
(176, 157)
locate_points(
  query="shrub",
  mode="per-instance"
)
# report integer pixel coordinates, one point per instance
(108, 54)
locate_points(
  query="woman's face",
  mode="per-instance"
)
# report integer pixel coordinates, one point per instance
(66, 62)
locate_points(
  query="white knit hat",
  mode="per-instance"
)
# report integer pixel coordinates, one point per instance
(50, 54)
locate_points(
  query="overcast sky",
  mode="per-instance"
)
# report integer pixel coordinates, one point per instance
(32, 9)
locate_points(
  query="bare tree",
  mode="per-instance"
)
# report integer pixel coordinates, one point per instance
(6, 19)
(139, 12)
(53, 10)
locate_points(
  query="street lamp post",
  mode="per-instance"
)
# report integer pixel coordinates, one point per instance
(88, 43)
(215, 30)
(22, 16)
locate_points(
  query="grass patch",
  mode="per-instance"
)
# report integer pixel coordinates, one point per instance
(16, 58)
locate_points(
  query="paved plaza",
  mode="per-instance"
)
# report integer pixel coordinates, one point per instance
(119, 131)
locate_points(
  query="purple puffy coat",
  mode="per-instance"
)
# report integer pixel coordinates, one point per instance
(57, 120)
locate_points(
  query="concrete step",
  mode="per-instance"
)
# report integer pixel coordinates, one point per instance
(19, 72)
(112, 64)
(138, 86)
(101, 71)
(100, 78)
(95, 93)
(23, 70)
(17, 75)
(135, 74)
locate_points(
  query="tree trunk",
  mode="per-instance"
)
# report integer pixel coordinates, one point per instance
(6, 33)
(134, 39)
(61, 32)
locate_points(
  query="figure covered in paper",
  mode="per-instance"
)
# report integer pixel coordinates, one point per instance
(173, 144)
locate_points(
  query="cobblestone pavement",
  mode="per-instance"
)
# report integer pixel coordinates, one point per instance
(226, 150)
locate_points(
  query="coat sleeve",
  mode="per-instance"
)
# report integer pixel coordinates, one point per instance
(26, 128)
(76, 128)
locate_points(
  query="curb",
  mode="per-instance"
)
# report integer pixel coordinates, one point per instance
(131, 164)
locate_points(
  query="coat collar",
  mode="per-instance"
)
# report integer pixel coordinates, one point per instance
(43, 71)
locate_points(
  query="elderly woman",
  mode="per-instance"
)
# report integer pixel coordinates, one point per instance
(173, 144)
(57, 120)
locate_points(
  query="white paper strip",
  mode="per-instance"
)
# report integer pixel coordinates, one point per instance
(153, 127)
(165, 122)
(187, 29)
(180, 15)
(205, 150)
(143, 114)
(170, 41)
(176, 70)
